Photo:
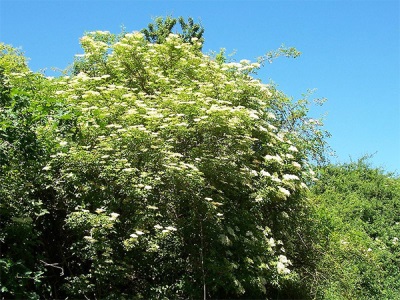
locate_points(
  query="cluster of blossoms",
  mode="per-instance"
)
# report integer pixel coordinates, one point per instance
(282, 265)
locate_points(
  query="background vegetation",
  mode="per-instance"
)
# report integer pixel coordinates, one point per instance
(151, 170)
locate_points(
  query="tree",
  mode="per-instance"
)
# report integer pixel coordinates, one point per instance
(161, 28)
(21, 155)
(161, 173)
(356, 233)
(12, 59)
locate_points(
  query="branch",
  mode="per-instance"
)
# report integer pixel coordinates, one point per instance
(54, 265)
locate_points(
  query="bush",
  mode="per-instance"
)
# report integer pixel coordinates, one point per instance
(357, 219)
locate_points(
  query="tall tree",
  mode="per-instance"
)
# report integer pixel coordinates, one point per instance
(161, 28)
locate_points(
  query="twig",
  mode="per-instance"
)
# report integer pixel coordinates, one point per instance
(54, 265)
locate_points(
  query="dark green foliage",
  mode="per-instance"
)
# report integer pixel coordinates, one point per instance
(159, 30)
(19, 152)
(191, 30)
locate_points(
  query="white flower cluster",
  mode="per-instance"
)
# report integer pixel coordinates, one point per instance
(243, 66)
(290, 177)
(276, 158)
(166, 229)
(282, 265)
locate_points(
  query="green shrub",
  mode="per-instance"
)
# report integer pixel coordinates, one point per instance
(357, 217)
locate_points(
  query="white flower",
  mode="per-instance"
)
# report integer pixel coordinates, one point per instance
(282, 265)
(233, 65)
(89, 239)
(158, 226)
(271, 242)
(253, 115)
(173, 35)
(290, 177)
(139, 232)
(293, 149)
(313, 121)
(284, 191)
(170, 228)
(259, 198)
(282, 268)
(276, 179)
(296, 165)
(283, 259)
(272, 127)
(46, 168)
(102, 32)
(133, 235)
(304, 186)
(265, 173)
(99, 210)
(254, 172)
(114, 216)
(276, 158)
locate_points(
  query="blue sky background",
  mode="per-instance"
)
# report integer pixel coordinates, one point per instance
(350, 52)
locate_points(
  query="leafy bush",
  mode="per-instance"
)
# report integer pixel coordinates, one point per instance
(357, 217)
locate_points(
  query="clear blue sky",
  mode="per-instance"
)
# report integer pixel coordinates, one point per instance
(350, 52)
